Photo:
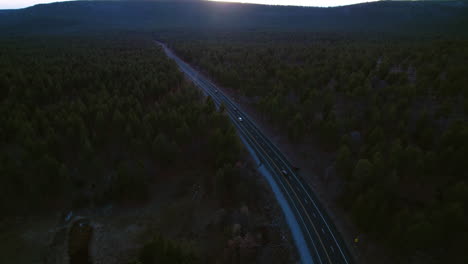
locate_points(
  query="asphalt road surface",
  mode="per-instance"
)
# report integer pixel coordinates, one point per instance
(323, 241)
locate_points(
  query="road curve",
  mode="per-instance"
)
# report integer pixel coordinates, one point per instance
(324, 243)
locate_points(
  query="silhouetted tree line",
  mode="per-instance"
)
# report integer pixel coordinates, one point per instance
(393, 17)
(393, 110)
(97, 119)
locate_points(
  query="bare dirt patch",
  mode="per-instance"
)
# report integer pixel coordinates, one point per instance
(178, 209)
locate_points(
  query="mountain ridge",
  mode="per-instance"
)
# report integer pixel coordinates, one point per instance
(377, 17)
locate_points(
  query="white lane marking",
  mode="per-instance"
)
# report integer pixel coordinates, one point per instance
(332, 249)
(323, 231)
(292, 204)
(305, 200)
(316, 207)
(275, 148)
(200, 84)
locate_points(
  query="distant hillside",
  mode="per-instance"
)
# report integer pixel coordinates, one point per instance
(388, 17)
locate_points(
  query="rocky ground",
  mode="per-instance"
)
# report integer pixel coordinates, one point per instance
(177, 209)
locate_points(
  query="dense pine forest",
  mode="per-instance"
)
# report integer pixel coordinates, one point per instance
(95, 122)
(103, 134)
(392, 111)
(99, 117)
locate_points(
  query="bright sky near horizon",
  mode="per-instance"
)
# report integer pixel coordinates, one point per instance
(12, 4)
(322, 3)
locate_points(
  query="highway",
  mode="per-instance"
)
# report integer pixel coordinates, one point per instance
(324, 243)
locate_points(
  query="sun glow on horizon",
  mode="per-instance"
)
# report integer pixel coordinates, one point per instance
(9, 4)
(319, 3)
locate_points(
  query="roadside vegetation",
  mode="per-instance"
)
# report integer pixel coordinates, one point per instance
(393, 111)
(94, 121)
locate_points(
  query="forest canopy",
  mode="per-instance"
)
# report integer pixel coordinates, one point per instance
(88, 120)
(392, 111)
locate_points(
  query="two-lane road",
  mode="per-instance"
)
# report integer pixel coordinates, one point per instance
(323, 242)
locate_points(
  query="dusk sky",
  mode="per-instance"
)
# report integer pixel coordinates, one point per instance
(10, 4)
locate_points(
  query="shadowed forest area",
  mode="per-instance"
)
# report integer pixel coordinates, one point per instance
(392, 111)
(96, 122)
(117, 111)
(110, 154)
